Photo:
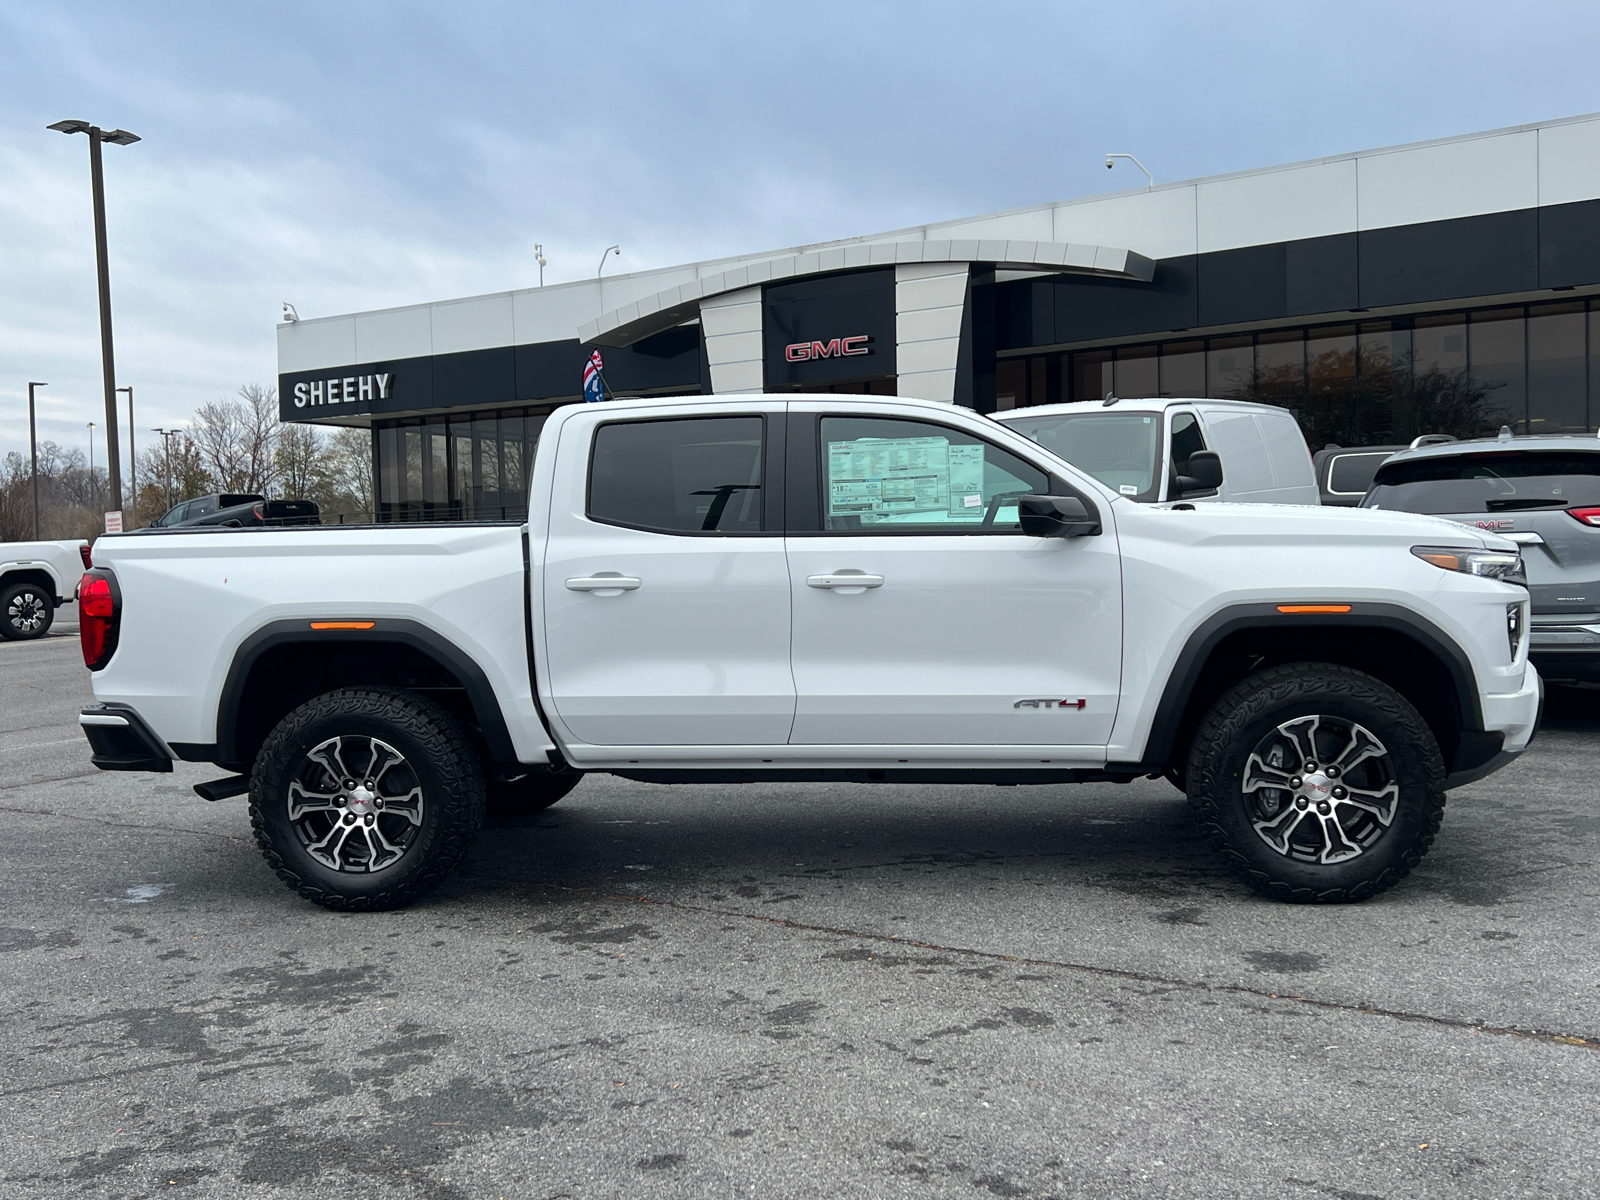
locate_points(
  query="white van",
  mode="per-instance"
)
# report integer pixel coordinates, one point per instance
(1143, 448)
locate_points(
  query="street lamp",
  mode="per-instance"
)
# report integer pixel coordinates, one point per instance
(92, 488)
(133, 463)
(117, 137)
(33, 450)
(166, 439)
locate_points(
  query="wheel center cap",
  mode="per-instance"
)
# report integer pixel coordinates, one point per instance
(1317, 786)
(361, 800)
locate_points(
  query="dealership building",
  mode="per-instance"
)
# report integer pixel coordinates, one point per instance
(1450, 286)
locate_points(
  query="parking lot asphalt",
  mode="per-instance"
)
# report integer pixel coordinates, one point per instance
(788, 991)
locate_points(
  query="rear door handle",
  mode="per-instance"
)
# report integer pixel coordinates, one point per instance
(604, 583)
(846, 583)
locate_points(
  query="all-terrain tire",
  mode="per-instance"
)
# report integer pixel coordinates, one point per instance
(1249, 715)
(442, 766)
(530, 794)
(26, 612)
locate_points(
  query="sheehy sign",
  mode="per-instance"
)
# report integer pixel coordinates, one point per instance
(848, 347)
(348, 390)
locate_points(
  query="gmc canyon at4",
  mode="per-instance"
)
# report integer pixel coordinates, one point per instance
(756, 587)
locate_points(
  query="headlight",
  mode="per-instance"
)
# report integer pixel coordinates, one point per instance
(1504, 565)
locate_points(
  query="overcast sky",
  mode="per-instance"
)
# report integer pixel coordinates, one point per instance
(349, 156)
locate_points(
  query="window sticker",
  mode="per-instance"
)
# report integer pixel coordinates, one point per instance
(883, 478)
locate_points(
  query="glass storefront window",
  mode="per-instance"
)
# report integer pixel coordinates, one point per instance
(1497, 360)
(1183, 369)
(1091, 375)
(1230, 368)
(1327, 414)
(1444, 396)
(1557, 370)
(1137, 375)
(1383, 363)
(1281, 366)
(1010, 383)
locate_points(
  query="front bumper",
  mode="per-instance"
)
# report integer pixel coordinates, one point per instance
(121, 740)
(1510, 722)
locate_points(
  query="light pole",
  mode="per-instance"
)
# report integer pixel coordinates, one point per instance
(117, 137)
(166, 438)
(608, 252)
(92, 488)
(538, 254)
(133, 463)
(33, 451)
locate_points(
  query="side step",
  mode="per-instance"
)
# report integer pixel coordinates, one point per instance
(221, 789)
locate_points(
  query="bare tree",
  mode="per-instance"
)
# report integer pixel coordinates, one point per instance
(236, 439)
(300, 460)
(347, 472)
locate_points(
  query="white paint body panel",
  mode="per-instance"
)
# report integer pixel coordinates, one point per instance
(59, 560)
(693, 668)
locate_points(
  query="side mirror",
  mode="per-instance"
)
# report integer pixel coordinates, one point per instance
(1205, 473)
(1056, 516)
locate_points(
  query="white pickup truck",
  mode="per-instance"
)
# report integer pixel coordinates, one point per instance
(725, 589)
(36, 578)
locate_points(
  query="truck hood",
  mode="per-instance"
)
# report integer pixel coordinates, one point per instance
(1288, 523)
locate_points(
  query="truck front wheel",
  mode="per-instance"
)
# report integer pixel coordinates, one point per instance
(1318, 783)
(365, 798)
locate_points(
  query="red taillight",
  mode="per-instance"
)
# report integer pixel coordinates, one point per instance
(97, 619)
(261, 512)
(1589, 516)
(83, 553)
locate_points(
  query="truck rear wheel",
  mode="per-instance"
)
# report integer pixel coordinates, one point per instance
(1318, 783)
(26, 612)
(365, 798)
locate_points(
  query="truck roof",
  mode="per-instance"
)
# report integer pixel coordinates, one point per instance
(1135, 404)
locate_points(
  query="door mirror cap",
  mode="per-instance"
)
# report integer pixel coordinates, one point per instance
(1057, 516)
(1205, 473)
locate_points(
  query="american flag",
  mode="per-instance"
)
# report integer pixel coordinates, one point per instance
(593, 385)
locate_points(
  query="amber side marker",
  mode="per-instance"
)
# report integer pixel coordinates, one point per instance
(1313, 608)
(343, 624)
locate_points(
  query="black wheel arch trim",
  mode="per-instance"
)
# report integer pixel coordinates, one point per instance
(394, 631)
(1185, 675)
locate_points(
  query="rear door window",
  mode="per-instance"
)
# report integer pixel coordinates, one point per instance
(691, 475)
(1500, 481)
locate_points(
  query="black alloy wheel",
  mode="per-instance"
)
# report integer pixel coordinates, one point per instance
(365, 798)
(1318, 783)
(26, 612)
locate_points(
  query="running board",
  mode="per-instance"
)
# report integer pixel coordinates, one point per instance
(221, 789)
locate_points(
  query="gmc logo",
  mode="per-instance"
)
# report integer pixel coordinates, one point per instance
(838, 348)
(1078, 704)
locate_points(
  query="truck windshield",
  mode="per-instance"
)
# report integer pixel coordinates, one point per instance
(1502, 481)
(1121, 450)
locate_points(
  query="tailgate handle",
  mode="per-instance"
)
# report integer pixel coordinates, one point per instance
(603, 583)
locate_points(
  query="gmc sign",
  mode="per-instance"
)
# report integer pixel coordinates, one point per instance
(837, 348)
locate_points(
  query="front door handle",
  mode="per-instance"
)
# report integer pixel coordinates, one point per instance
(846, 583)
(603, 583)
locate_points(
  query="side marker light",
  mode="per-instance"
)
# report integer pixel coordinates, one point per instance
(1313, 608)
(343, 624)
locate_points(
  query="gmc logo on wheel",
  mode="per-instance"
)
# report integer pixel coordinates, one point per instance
(838, 348)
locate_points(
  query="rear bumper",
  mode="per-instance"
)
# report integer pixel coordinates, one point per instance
(121, 740)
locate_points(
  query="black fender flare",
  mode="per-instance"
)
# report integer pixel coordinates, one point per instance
(393, 631)
(1185, 675)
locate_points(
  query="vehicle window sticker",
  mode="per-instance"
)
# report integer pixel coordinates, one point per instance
(881, 478)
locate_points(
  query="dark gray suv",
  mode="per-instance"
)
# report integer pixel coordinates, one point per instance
(1540, 491)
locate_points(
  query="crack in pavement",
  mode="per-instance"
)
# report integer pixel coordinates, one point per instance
(47, 812)
(1237, 989)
